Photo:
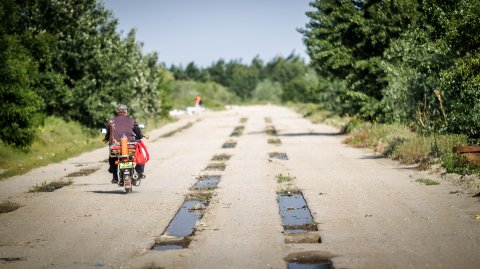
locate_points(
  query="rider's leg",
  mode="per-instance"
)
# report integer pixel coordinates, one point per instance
(113, 169)
(140, 168)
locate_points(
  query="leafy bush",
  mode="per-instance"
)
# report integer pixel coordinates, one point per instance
(214, 96)
(267, 91)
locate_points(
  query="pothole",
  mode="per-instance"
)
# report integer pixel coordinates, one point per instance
(218, 166)
(270, 130)
(83, 172)
(51, 186)
(8, 206)
(221, 157)
(182, 226)
(12, 259)
(309, 260)
(295, 214)
(171, 242)
(238, 131)
(274, 141)
(207, 182)
(229, 144)
(278, 155)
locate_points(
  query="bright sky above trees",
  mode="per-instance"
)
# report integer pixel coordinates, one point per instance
(181, 31)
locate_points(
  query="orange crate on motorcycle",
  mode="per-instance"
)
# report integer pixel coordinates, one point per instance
(115, 150)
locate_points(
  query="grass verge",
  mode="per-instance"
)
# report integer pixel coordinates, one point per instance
(57, 140)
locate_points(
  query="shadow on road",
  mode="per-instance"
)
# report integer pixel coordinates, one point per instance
(109, 192)
(372, 157)
(299, 134)
(311, 134)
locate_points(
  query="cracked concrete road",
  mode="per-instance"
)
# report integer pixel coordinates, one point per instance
(370, 211)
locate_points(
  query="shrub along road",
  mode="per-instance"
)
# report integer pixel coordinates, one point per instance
(371, 212)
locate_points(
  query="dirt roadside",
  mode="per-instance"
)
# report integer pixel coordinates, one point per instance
(371, 212)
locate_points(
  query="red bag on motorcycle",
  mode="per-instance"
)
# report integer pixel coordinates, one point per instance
(141, 154)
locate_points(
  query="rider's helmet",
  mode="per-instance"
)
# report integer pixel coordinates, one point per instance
(122, 109)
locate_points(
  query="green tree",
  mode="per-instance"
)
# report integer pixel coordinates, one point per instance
(267, 91)
(21, 107)
(346, 41)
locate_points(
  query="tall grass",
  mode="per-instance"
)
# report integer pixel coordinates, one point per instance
(57, 140)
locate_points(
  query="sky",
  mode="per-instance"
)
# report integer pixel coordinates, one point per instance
(204, 31)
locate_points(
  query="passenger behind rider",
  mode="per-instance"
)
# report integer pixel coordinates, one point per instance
(118, 126)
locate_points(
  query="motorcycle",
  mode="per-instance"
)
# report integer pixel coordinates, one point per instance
(124, 154)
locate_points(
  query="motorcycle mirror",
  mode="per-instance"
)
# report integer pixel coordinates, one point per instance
(104, 131)
(142, 126)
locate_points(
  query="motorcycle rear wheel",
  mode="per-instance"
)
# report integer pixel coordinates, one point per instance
(128, 184)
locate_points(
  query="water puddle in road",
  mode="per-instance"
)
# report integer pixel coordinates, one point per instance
(318, 265)
(295, 214)
(206, 183)
(309, 260)
(238, 131)
(182, 226)
(278, 155)
(229, 145)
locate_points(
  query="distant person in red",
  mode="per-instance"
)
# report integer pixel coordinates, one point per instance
(198, 101)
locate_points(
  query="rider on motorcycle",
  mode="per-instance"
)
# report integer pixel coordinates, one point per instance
(117, 127)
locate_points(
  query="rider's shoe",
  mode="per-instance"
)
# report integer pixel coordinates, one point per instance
(114, 181)
(141, 176)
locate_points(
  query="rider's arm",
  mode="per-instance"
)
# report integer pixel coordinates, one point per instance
(107, 135)
(137, 131)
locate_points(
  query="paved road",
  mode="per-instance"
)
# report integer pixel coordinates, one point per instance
(370, 212)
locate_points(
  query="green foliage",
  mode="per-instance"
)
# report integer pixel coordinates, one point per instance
(21, 106)
(65, 58)
(214, 96)
(284, 178)
(267, 91)
(281, 79)
(405, 61)
(346, 41)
